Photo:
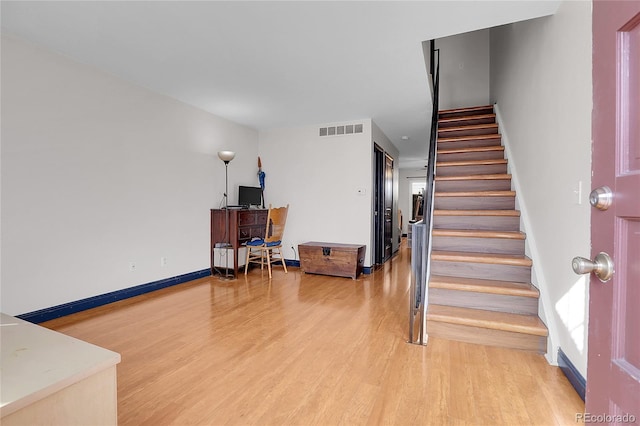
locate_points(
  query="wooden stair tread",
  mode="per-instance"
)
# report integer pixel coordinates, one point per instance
(486, 258)
(482, 295)
(477, 194)
(469, 138)
(466, 117)
(470, 127)
(464, 109)
(476, 213)
(471, 149)
(471, 162)
(500, 176)
(527, 324)
(484, 286)
(472, 233)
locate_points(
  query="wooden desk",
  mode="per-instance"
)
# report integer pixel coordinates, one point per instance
(244, 224)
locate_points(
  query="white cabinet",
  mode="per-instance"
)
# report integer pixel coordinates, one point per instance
(50, 378)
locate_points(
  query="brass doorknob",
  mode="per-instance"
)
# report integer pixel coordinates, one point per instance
(601, 266)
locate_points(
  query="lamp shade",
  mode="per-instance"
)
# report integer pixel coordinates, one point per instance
(226, 156)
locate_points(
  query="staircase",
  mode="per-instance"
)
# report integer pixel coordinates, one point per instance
(480, 290)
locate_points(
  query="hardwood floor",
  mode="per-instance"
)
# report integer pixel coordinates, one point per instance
(309, 350)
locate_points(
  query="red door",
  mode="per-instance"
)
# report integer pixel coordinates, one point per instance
(613, 369)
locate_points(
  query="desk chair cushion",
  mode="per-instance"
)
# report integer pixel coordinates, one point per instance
(260, 242)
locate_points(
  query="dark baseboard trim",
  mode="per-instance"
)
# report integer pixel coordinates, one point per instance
(54, 312)
(58, 311)
(365, 270)
(575, 378)
(296, 263)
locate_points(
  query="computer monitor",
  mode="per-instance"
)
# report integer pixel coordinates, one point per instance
(249, 196)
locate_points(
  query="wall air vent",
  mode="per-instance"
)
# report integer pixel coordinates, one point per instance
(348, 129)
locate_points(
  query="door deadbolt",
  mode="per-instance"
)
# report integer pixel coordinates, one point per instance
(601, 198)
(601, 266)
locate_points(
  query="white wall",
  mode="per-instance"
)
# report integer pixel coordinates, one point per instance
(320, 178)
(406, 177)
(464, 69)
(464, 81)
(98, 173)
(541, 81)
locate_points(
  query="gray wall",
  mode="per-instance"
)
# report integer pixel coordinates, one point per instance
(464, 69)
(98, 173)
(541, 82)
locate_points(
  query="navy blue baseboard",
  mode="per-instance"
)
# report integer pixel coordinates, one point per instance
(54, 312)
(575, 378)
(58, 311)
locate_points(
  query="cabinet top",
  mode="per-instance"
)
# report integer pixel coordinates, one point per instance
(37, 362)
(332, 245)
(234, 209)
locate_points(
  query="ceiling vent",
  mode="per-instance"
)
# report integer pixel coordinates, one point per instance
(348, 129)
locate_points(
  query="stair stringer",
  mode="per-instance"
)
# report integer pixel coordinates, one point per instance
(538, 277)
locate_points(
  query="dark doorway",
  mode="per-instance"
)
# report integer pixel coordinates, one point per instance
(388, 207)
(383, 205)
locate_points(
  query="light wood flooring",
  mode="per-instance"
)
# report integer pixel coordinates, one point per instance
(309, 350)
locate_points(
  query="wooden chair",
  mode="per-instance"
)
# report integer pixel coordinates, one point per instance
(259, 250)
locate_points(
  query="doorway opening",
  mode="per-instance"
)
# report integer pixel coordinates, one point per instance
(383, 205)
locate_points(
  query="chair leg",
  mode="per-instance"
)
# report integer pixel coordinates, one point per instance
(278, 251)
(268, 254)
(246, 262)
(284, 265)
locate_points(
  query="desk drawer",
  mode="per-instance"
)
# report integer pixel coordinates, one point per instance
(252, 217)
(246, 233)
(247, 218)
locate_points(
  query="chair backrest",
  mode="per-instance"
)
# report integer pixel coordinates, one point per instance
(276, 220)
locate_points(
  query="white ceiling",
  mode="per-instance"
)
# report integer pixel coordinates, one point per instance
(270, 64)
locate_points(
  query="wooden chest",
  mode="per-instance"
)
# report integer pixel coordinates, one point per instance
(340, 260)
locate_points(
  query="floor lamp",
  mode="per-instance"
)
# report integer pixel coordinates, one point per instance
(226, 156)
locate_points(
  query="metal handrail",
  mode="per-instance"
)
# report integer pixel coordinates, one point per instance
(421, 262)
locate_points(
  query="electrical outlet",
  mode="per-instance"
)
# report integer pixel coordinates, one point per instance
(132, 266)
(163, 261)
